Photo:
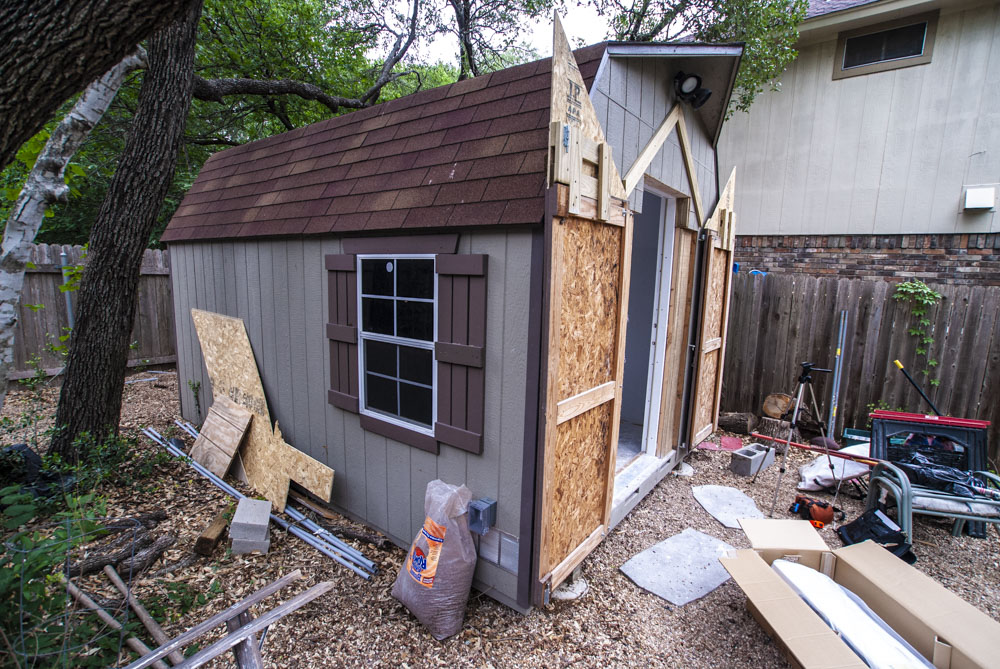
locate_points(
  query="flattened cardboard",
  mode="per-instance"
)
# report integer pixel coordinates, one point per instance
(944, 628)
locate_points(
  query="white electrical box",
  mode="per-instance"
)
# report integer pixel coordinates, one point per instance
(980, 197)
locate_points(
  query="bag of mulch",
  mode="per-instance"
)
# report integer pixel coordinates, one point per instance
(435, 579)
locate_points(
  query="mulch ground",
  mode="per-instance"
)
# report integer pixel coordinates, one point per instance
(614, 624)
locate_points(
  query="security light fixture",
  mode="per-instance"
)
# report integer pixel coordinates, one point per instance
(688, 88)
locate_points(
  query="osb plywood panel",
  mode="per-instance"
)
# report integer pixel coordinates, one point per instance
(267, 461)
(576, 483)
(221, 435)
(570, 103)
(590, 284)
(704, 405)
(714, 310)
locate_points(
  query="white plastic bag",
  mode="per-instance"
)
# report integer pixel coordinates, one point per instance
(435, 579)
(817, 475)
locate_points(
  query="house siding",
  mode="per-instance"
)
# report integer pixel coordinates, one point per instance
(279, 288)
(880, 154)
(632, 96)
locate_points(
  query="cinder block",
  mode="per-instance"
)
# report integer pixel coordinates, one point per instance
(751, 458)
(251, 520)
(241, 547)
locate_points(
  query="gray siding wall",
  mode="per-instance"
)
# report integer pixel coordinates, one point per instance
(279, 289)
(632, 96)
(884, 153)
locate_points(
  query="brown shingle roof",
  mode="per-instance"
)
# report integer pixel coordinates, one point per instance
(468, 154)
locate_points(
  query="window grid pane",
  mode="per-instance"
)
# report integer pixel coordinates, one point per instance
(397, 298)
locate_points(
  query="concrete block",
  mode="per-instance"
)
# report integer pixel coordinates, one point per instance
(241, 547)
(751, 458)
(251, 520)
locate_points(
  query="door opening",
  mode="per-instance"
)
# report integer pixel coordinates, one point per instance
(652, 244)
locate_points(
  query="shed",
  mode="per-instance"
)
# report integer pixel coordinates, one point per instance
(439, 287)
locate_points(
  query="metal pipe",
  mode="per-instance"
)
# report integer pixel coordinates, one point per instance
(307, 522)
(318, 543)
(66, 293)
(838, 367)
(919, 389)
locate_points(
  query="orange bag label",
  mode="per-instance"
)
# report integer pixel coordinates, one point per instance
(422, 562)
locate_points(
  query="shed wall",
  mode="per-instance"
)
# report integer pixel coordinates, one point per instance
(885, 153)
(632, 96)
(278, 287)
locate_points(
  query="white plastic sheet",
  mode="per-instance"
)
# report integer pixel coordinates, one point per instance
(817, 475)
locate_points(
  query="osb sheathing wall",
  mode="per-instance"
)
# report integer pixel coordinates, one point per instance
(279, 288)
(589, 299)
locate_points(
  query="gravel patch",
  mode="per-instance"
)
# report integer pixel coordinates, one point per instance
(358, 624)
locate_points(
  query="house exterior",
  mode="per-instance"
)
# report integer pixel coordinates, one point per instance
(437, 287)
(862, 163)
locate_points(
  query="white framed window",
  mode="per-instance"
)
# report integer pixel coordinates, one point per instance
(887, 46)
(397, 308)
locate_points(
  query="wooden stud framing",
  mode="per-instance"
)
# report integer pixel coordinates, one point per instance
(572, 407)
(649, 151)
(690, 169)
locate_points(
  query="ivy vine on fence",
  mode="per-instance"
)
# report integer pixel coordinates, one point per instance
(921, 298)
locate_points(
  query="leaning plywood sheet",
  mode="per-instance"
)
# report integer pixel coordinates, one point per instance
(221, 435)
(268, 462)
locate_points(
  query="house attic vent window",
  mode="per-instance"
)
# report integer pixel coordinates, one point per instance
(900, 43)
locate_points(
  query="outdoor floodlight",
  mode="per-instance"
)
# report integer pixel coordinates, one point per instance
(688, 88)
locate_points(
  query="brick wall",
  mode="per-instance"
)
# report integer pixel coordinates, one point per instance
(960, 259)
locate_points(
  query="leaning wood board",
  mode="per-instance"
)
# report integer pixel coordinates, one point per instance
(221, 435)
(268, 462)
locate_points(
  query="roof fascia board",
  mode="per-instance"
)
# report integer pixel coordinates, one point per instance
(664, 50)
(825, 25)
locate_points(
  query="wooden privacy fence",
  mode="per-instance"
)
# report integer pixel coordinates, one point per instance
(781, 320)
(45, 320)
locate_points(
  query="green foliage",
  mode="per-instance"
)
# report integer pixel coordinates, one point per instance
(178, 599)
(880, 405)
(767, 28)
(921, 298)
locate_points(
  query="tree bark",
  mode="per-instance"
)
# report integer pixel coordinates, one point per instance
(90, 401)
(44, 186)
(51, 49)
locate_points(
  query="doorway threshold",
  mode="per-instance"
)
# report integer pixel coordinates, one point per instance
(636, 480)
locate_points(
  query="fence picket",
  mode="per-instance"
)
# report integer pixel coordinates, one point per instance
(787, 317)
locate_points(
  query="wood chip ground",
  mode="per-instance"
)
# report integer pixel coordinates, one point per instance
(616, 624)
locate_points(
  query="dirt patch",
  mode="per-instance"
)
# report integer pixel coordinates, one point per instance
(615, 624)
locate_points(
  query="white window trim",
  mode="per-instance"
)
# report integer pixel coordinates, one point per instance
(930, 18)
(391, 339)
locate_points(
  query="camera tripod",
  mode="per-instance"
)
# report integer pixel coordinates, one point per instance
(805, 380)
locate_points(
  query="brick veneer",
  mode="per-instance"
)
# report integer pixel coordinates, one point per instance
(948, 258)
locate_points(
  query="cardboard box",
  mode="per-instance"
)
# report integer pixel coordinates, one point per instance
(939, 624)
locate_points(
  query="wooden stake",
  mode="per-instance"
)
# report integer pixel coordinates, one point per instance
(146, 619)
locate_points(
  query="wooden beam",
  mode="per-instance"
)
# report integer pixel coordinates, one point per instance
(147, 620)
(689, 167)
(604, 181)
(564, 568)
(571, 407)
(575, 169)
(210, 537)
(649, 151)
(201, 628)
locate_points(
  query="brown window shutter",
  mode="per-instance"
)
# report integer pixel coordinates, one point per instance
(342, 331)
(460, 350)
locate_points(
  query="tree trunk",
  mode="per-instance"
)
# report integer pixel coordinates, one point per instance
(51, 49)
(44, 186)
(772, 427)
(90, 401)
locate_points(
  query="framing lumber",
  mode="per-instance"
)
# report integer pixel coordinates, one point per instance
(690, 169)
(212, 535)
(195, 632)
(570, 562)
(645, 157)
(249, 629)
(147, 620)
(247, 652)
(135, 644)
(571, 407)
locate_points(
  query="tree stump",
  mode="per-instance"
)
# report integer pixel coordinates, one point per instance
(777, 405)
(777, 428)
(739, 423)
